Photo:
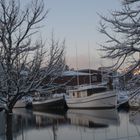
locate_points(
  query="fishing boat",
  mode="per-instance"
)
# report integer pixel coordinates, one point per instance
(52, 103)
(91, 96)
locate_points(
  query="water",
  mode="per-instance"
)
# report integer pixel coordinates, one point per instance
(73, 125)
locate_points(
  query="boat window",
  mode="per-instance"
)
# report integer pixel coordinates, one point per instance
(89, 92)
(78, 94)
(73, 94)
(97, 90)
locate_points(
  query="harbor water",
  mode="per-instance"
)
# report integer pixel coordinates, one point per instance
(107, 124)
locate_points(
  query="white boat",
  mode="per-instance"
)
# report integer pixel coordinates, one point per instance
(122, 98)
(53, 103)
(129, 99)
(91, 96)
(134, 103)
(24, 102)
(20, 104)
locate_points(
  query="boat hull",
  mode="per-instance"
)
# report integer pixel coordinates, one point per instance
(100, 100)
(56, 103)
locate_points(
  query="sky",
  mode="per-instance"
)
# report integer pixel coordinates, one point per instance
(77, 21)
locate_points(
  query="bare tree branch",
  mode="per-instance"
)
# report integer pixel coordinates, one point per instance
(26, 66)
(125, 24)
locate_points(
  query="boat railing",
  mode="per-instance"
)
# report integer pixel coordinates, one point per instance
(83, 86)
(75, 87)
(47, 97)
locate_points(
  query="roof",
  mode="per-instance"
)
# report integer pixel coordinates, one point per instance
(74, 73)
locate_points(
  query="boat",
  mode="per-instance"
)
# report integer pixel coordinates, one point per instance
(91, 96)
(23, 102)
(122, 99)
(93, 118)
(87, 96)
(52, 103)
(130, 99)
(134, 103)
(20, 104)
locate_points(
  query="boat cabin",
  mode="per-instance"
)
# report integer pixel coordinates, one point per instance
(85, 91)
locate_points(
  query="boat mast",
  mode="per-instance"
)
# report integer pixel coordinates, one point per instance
(101, 70)
(77, 65)
(89, 64)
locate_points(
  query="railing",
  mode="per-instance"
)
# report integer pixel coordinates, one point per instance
(85, 86)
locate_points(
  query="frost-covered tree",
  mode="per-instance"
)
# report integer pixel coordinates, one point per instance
(122, 29)
(25, 61)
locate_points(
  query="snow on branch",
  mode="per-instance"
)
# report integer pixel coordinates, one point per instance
(26, 64)
(122, 29)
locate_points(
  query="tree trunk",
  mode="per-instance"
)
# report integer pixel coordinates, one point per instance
(9, 135)
(9, 110)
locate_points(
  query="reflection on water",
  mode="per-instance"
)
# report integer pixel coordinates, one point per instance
(93, 118)
(73, 124)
